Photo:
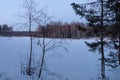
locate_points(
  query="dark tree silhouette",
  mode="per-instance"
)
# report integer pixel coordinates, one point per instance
(94, 14)
(114, 12)
(0, 28)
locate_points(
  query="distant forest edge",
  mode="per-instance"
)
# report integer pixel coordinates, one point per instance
(60, 30)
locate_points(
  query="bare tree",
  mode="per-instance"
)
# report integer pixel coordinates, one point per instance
(29, 6)
(47, 45)
(38, 16)
(31, 14)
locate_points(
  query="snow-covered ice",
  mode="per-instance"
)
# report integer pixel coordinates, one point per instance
(76, 64)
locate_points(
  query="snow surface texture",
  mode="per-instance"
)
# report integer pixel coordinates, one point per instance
(76, 64)
(116, 74)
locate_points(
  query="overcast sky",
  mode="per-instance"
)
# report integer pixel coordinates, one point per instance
(59, 9)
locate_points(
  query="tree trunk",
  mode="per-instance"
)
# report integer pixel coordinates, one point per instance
(43, 54)
(102, 46)
(41, 66)
(30, 57)
(42, 62)
(102, 60)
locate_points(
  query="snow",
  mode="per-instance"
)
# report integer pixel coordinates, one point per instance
(11, 50)
(76, 64)
(116, 74)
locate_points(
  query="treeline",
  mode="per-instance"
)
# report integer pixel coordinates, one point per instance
(5, 28)
(18, 33)
(73, 30)
(60, 30)
(51, 30)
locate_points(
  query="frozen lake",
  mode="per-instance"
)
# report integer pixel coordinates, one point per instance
(75, 64)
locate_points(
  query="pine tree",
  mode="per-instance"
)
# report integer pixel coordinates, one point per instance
(114, 12)
(94, 14)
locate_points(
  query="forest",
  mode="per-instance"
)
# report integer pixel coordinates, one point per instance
(73, 30)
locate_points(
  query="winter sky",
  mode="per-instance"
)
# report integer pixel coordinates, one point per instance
(60, 9)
